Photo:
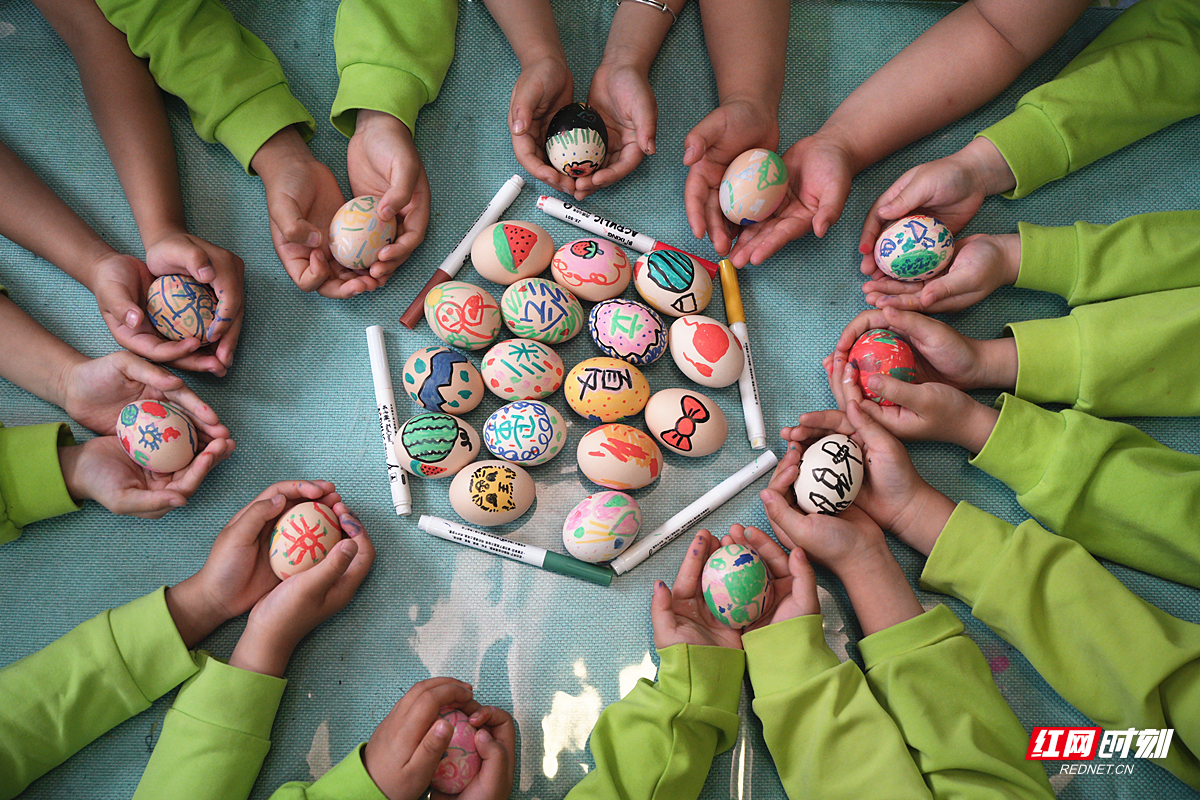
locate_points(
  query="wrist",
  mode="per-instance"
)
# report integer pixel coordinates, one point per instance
(922, 520)
(73, 477)
(194, 612)
(367, 120)
(840, 137)
(999, 357)
(92, 254)
(985, 161)
(262, 651)
(1010, 246)
(879, 591)
(284, 147)
(980, 422)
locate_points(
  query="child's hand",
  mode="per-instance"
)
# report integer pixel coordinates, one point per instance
(793, 583)
(100, 470)
(95, 390)
(383, 161)
(543, 87)
(179, 253)
(404, 751)
(623, 96)
(728, 131)
(302, 602)
(819, 175)
(496, 742)
(951, 189)
(679, 614)
(981, 265)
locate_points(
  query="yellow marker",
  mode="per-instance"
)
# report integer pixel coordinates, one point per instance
(756, 428)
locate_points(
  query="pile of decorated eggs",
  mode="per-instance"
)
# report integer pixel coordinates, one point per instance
(181, 307)
(883, 352)
(914, 249)
(357, 233)
(522, 369)
(672, 283)
(606, 389)
(441, 379)
(686, 422)
(435, 445)
(831, 473)
(462, 762)
(576, 140)
(753, 187)
(490, 493)
(706, 351)
(619, 457)
(628, 330)
(538, 309)
(302, 538)
(508, 251)
(462, 315)
(593, 269)
(601, 526)
(525, 432)
(735, 583)
(157, 435)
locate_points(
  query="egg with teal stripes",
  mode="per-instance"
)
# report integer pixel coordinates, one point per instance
(181, 307)
(435, 445)
(672, 283)
(441, 379)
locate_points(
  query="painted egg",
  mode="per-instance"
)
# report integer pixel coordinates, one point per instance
(181, 307)
(506, 252)
(462, 315)
(576, 140)
(462, 762)
(914, 249)
(302, 538)
(686, 422)
(522, 369)
(535, 308)
(157, 435)
(753, 187)
(593, 269)
(357, 234)
(628, 330)
(831, 473)
(706, 351)
(882, 351)
(490, 493)
(525, 432)
(601, 526)
(435, 445)
(441, 379)
(673, 283)
(606, 389)
(619, 457)
(735, 582)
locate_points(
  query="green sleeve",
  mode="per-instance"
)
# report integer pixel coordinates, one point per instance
(108, 669)
(1086, 263)
(391, 57)
(1119, 660)
(1107, 485)
(1130, 357)
(936, 685)
(215, 735)
(31, 481)
(232, 83)
(1138, 76)
(827, 734)
(660, 739)
(349, 780)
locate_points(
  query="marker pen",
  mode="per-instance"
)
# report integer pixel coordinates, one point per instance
(385, 399)
(756, 428)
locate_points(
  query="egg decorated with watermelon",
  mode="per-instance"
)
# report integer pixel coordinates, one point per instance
(538, 309)
(673, 283)
(576, 140)
(593, 269)
(508, 251)
(435, 445)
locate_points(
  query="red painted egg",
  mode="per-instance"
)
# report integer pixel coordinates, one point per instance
(880, 351)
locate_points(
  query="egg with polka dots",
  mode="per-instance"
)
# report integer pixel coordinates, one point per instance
(441, 379)
(606, 389)
(522, 369)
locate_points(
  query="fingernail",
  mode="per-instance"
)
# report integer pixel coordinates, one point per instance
(650, 151)
(442, 728)
(277, 500)
(687, 154)
(659, 585)
(874, 383)
(131, 318)
(483, 732)
(178, 502)
(519, 127)
(351, 525)
(206, 274)
(314, 239)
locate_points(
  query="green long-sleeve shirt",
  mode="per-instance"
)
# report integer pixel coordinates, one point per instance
(1105, 484)
(1138, 76)
(108, 669)
(390, 56)
(31, 481)
(1119, 660)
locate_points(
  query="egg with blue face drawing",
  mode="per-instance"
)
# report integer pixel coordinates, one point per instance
(522, 369)
(628, 330)
(601, 526)
(181, 307)
(441, 379)
(831, 474)
(357, 233)
(157, 435)
(753, 186)
(526, 432)
(735, 583)
(672, 283)
(576, 140)
(435, 445)
(915, 248)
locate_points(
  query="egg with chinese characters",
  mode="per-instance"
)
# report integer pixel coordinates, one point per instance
(522, 369)
(628, 330)
(526, 432)
(538, 309)
(606, 389)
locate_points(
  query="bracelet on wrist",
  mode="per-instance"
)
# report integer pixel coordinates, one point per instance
(662, 7)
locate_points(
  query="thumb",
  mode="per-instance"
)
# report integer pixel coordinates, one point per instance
(286, 214)
(645, 122)
(662, 619)
(696, 143)
(142, 371)
(400, 193)
(424, 760)
(804, 577)
(487, 746)
(908, 395)
(322, 577)
(874, 436)
(781, 514)
(248, 525)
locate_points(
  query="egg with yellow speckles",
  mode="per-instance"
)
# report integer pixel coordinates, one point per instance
(606, 389)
